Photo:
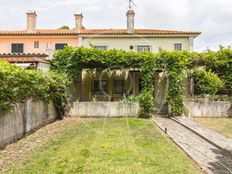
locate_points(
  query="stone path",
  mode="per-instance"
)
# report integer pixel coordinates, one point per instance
(213, 137)
(212, 159)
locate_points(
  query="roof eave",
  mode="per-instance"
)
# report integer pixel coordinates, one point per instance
(45, 34)
(140, 35)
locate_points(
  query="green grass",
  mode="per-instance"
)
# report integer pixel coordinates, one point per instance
(130, 146)
(220, 125)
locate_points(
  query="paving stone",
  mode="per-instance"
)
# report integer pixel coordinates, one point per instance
(211, 159)
(212, 136)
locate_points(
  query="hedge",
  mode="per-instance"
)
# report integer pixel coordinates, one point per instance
(206, 82)
(18, 84)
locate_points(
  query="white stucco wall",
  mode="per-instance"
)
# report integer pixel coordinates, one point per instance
(45, 67)
(125, 43)
(104, 109)
(206, 108)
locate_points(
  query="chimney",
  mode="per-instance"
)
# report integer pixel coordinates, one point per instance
(78, 21)
(31, 21)
(130, 20)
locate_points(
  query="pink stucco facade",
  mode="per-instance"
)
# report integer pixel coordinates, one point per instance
(45, 43)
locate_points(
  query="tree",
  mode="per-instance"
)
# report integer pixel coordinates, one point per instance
(64, 27)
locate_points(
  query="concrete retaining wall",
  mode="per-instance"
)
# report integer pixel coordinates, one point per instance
(105, 109)
(24, 118)
(206, 108)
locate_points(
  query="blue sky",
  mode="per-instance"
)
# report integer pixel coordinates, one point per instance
(211, 17)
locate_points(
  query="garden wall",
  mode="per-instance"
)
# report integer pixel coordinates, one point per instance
(24, 118)
(206, 108)
(104, 109)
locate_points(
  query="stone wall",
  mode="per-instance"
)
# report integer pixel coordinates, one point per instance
(24, 118)
(105, 109)
(206, 108)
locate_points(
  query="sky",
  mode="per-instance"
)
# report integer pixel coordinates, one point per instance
(211, 17)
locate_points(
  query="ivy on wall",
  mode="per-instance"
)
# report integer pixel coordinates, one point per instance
(176, 64)
(146, 98)
(73, 60)
(16, 84)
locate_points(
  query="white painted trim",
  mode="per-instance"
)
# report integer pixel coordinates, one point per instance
(101, 44)
(143, 44)
(178, 43)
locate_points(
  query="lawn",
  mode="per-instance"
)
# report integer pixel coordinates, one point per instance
(101, 146)
(220, 125)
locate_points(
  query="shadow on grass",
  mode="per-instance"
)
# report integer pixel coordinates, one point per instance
(223, 163)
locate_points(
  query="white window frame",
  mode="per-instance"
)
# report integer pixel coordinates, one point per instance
(101, 45)
(101, 90)
(143, 45)
(36, 44)
(179, 44)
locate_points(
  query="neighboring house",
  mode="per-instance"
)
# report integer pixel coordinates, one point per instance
(39, 45)
(34, 44)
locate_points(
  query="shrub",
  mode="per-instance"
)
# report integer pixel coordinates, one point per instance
(206, 82)
(18, 84)
(147, 104)
(220, 62)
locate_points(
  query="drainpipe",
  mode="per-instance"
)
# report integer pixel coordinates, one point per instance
(191, 44)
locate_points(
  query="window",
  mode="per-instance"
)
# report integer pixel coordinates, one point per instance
(178, 47)
(143, 48)
(17, 48)
(100, 86)
(131, 47)
(100, 47)
(60, 46)
(36, 44)
(140, 85)
(118, 86)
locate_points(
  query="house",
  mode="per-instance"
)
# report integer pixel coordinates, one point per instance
(114, 85)
(38, 46)
(34, 46)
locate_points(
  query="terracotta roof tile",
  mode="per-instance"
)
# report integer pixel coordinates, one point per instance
(24, 60)
(99, 32)
(23, 55)
(136, 32)
(39, 32)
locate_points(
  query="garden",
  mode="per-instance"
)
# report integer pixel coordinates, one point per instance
(210, 72)
(118, 145)
(106, 146)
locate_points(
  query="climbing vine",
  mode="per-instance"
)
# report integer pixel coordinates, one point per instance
(175, 64)
(146, 98)
(73, 60)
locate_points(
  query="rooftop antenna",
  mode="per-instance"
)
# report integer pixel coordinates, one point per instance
(131, 4)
